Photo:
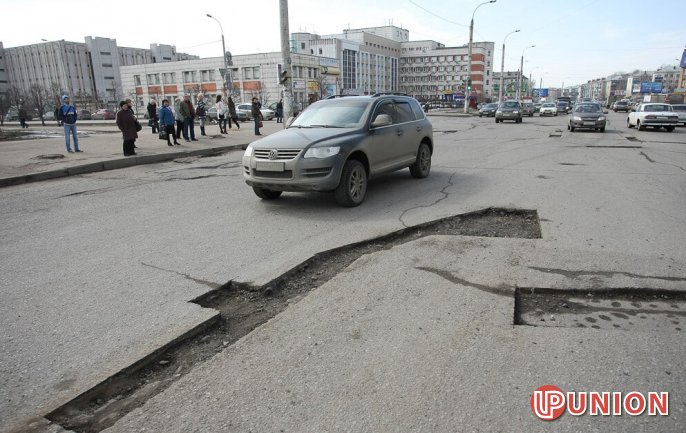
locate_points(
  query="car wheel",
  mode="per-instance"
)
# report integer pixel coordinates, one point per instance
(639, 126)
(422, 165)
(602, 129)
(266, 194)
(628, 124)
(496, 120)
(571, 128)
(353, 185)
(480, 115)
(669, 128)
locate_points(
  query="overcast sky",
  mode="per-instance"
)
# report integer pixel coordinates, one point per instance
(575, 40)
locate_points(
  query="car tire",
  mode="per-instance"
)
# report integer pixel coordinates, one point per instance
(639, 126)
(669, 128)
(571, 128)
(266, 194)
(352, 188)
(422, 165)
(496, 120)
(602, 129)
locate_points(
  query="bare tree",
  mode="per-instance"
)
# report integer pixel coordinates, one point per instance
(39, 97)
(4, 107)
(16, 96)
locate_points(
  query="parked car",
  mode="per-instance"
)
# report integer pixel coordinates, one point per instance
(621, 106)
(338, 144)
(563, 107)
(488, 110)
(246, 110)
(104, 114)
(653, 114)
(680, 110)
(548, 109)
(528, 109)
(84, 115)
(587, 116)
(509, 110)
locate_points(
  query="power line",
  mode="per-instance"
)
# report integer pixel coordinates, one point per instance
(438, 16)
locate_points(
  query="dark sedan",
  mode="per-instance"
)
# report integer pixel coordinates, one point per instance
(488, 110)
(587, 116)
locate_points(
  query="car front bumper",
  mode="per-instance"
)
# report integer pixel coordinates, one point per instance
(588, 123)
(297, 174)
(547, 113)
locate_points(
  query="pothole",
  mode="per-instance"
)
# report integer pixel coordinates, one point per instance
(633, 139)
(611, 309)
(242, 308)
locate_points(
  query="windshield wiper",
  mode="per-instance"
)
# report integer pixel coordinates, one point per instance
(324, 126)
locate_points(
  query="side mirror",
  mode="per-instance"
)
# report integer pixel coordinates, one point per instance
(382, 120)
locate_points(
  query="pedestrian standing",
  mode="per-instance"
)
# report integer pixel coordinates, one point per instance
(56, 112)
(257, 115)
(201, 112)
(126, 122)
(68, 118)
(22, 118)
(178, 117)
(232, 113)
(221, 114)
(279, 111)
(188, 113)
(153, 119)
(167, 122)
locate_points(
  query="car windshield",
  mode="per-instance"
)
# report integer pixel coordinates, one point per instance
(587, 108)
(510, 104)
(550, 104)
(491, 106)
(679, 107)
(339, 114)
(657, 107)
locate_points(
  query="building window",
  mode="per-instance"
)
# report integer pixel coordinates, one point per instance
(302, 45)
(137, 80)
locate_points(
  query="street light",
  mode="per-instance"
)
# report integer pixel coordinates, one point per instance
(502, 66)
(226, 66)
(469, 55)
(521, 72)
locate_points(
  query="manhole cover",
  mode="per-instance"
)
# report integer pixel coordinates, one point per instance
(626, 309)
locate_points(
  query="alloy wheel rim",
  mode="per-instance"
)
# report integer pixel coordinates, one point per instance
(425, 160)
(357, 184)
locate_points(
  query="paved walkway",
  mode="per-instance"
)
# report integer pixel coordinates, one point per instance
(42, 154)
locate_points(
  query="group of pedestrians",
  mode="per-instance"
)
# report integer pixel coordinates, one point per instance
(171, 122)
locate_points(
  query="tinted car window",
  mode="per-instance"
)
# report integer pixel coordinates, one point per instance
(404, 112)
(679, 107)
(417, 110)
(510, 104)
(587, 108)
(657, 108)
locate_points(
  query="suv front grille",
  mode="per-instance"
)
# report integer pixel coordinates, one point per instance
(280, 154)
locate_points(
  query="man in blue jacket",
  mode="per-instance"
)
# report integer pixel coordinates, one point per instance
(68, 118)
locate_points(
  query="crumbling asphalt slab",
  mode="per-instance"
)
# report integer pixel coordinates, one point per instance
(391, 345)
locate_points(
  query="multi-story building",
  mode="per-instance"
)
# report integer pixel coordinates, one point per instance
(252, 75)
(510, 80)
(89, 70)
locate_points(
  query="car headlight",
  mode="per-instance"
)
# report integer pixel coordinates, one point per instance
(601, 118)
(322, 152)
(577, 118)
(515, 112)
(498, 112)
(248, 151)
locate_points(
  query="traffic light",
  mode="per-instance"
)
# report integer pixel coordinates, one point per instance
(283, 77)
(469, 85)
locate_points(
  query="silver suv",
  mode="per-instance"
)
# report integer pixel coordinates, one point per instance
(337, 144)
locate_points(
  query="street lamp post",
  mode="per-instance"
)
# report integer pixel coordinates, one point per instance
(469, 55)
(226, 66)
(521, 72)
(502, 66)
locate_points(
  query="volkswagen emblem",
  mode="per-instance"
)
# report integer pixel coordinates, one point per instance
(273, 154)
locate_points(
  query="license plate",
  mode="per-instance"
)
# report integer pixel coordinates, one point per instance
(269, 166)
(589, 123)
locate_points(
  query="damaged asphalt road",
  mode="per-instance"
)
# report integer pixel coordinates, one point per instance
(98, 281)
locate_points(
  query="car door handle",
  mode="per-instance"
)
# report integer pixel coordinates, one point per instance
(399, 132)
(419, 128)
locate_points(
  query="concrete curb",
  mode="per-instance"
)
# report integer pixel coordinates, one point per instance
(115, 164)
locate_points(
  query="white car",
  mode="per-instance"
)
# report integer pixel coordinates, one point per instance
(548, 109)
(680, 109)
(653, 114)
(267, 114)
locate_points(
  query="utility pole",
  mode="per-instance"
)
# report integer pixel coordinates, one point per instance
(287, 68)
(469, 58)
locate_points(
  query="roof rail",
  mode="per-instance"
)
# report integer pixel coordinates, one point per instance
(338, 96)
(389, 93)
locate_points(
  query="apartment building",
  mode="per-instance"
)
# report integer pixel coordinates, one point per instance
(89, 69)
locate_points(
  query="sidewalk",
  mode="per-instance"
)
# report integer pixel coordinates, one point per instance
(36, 159)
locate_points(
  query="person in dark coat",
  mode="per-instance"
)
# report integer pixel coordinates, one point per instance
(279, 111)
(167, 122)
(231, 115)
(188, 114)
(22, 117)
(152, 116)
(256, 115)
(126, 122)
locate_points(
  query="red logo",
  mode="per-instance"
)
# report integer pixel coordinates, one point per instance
(548, 402)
